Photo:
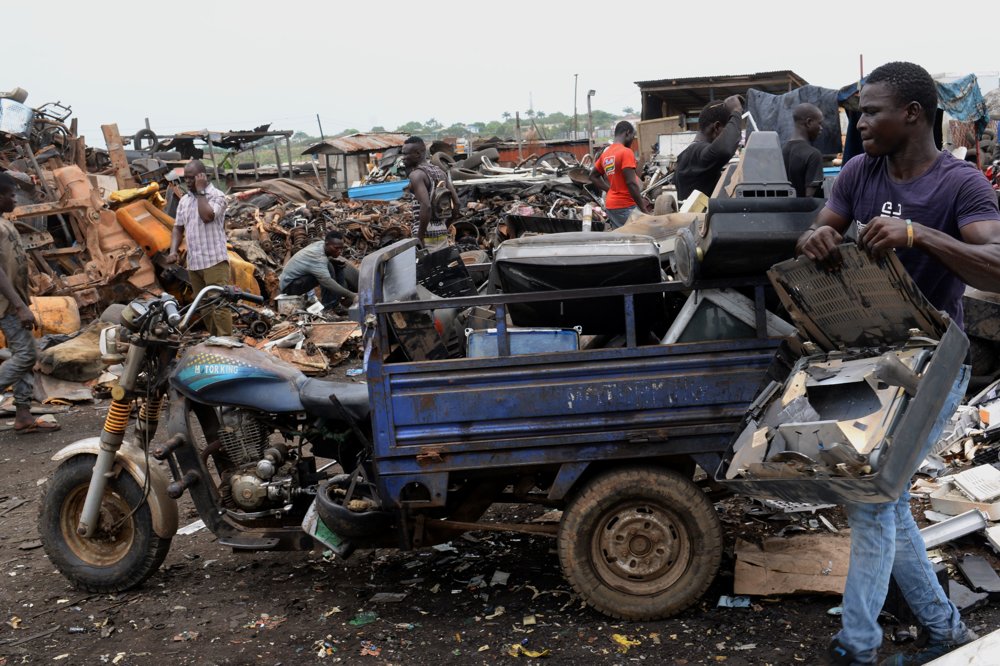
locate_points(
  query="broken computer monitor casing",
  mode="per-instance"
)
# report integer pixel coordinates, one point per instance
(841, 428)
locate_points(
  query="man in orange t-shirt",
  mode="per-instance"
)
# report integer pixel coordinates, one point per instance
(614, 173)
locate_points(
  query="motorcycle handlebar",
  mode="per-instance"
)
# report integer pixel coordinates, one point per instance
(231, 293)
(170, 308)
(238, 294)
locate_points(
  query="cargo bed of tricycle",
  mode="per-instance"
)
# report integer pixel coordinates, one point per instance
(610, 435)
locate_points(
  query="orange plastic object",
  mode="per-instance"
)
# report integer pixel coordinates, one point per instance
(149, 226)
(242, 274)
(55, 314)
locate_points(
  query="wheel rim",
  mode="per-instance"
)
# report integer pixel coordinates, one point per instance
(112, 540)
(640, 548)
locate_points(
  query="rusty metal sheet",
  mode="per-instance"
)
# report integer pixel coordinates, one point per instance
(332, 335)
(315, 364)
(49, 208)
(356, 143)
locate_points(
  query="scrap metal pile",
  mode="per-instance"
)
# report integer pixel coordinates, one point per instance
(538, 195)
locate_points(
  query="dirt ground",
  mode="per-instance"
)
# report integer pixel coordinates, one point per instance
(208, 605)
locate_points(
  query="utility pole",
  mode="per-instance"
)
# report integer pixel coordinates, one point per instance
(590, 123)
(517, 129)
(321, 136)
(575, 128)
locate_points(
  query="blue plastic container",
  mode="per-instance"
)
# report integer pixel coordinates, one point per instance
(379, 191)
(523, 341)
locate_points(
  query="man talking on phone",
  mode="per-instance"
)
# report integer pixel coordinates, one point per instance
(201, 215)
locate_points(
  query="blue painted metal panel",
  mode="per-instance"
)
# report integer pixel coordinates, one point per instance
(379, 191)
(500, 414)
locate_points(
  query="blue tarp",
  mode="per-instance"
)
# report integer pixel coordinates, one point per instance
(774, 113)
(962, 99)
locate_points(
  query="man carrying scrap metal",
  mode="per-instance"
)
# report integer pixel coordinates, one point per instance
(201, 215)
(614, 173)
(425, 179)
(16, 318)
(940, 215)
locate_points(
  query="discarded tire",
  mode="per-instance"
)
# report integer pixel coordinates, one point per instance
(640, 543)
(145, 135)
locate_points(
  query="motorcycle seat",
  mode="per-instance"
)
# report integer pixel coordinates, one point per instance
(315, 396)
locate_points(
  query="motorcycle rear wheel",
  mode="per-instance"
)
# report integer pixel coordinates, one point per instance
(124, 550)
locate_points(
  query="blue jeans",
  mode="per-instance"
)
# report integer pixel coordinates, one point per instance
(885, 540)
(618, 216)
(19, 368)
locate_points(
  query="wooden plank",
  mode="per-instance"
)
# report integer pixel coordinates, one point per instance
(797, 565)
(116, 151)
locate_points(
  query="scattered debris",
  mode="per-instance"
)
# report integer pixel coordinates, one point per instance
(265, 621)
(363, 618)
(624, 643)
(726, 601)
(516, 650)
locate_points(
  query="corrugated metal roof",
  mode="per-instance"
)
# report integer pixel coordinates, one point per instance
(363, 142)
(723, 79)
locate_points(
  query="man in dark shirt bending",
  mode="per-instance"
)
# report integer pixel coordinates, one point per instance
(700, 164)
(803, 162)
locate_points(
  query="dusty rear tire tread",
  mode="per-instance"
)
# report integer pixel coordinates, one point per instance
(697, 517)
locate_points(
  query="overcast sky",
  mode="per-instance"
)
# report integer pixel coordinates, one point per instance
(225, 65)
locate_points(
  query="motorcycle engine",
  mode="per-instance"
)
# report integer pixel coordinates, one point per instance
(264, 475)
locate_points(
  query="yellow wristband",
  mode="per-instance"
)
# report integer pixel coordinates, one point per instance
(909, 233)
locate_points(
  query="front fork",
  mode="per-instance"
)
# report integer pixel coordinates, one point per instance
(113, 434)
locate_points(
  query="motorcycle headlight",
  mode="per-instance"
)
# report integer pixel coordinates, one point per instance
(112, 347)
(133, 314)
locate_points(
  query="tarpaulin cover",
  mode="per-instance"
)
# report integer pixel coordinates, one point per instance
(774, 113)
(962, 99)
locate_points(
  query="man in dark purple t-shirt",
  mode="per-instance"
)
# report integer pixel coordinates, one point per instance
(940, 215)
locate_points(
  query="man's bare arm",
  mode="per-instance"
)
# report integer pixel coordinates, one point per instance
(632, 183)
(598, 180)
(819, 242)
(975, 258)
(21, 308)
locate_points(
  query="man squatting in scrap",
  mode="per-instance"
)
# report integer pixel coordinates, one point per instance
(16, 318)
(319, 264)
(425, 178)
(201, 215)
(940, 215)
(614, 173)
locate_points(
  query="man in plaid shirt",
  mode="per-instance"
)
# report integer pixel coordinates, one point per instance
(201, 215)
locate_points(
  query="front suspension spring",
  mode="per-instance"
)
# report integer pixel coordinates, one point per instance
(149, 412)
(117, 419)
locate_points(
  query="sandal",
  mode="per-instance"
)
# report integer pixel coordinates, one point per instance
(38, 426)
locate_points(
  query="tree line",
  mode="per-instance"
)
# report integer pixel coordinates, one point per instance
(550, 125)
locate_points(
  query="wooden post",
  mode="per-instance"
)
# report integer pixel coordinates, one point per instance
(277, 156)
(517, 130)
(116, 151)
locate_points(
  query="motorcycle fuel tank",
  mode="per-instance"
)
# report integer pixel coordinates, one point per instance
(238, 376)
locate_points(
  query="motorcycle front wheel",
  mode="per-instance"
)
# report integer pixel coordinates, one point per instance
(124, 550)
